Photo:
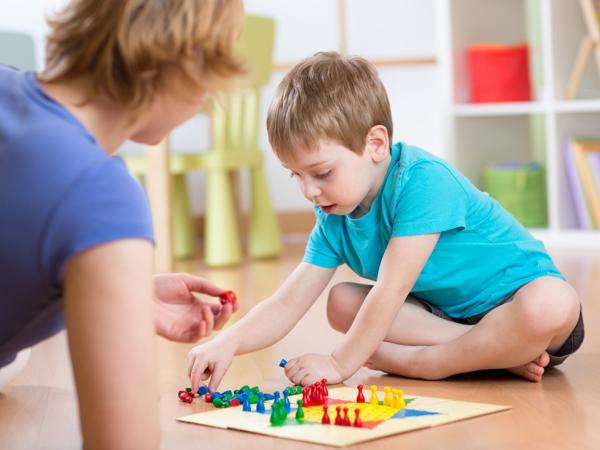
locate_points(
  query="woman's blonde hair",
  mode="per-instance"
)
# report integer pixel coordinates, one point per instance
(327, 96)
(131, 48)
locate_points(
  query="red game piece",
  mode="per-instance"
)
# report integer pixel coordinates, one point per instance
(360, 398)
(325, 420)
(324, 387)
(357, 422)
(228, 296)
(346, 419)
(305, 397)
(316, 389)
(338, 417)
(234, 402)
(208, 398)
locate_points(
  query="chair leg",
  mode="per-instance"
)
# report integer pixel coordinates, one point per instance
(221, 239)
(184, 234)
(264, 234)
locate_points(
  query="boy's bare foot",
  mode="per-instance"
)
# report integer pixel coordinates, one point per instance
(534, 370)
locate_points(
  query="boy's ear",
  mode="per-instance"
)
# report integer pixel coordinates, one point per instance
(378, 143)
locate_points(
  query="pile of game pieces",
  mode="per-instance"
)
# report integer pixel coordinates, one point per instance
(186, 395)
(245, 396)
(316, 394)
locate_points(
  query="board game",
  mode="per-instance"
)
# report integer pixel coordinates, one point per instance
(378, 420)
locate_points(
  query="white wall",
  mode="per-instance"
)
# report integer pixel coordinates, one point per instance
(376, 28)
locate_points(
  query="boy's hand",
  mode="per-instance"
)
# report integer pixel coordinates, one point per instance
(309, 368)
(209, 361)
(179, 315)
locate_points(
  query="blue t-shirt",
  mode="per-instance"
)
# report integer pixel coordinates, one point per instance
(482, 256)
(60, 194)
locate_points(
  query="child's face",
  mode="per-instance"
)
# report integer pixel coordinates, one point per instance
(335, 178)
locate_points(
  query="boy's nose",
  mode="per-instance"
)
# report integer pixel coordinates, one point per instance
(311, 192)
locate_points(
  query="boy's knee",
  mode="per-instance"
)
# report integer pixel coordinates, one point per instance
(551, 307)
(337, 307)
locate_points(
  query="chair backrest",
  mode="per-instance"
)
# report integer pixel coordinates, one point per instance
(235, 123)
(17, 49)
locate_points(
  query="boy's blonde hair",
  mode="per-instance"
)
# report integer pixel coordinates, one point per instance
(131, 48)
(327, 96)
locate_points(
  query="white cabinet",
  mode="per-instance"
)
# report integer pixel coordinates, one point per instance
(481, 134)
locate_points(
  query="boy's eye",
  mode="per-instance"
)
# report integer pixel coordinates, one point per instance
(323, 175)
(293, 174)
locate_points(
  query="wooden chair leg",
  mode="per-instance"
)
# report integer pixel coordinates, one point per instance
(158, 186)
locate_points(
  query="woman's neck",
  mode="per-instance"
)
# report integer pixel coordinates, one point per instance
(105, 120)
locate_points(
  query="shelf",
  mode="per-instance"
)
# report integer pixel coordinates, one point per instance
(498, 109)
(577, 106)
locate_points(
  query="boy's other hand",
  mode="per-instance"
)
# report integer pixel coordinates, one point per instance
(179, 315)
(209, 361)
(310, 368)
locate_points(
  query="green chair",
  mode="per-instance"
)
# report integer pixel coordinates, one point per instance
(235, 123)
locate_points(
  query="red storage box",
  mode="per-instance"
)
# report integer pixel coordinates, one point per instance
(499, 73)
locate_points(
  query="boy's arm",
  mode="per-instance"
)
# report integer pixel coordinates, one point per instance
(108, 311)
(266, 323)
(401, 265)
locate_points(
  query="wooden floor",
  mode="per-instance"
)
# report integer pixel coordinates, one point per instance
(38, 410)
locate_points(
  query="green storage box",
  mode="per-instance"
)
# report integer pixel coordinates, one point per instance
(520, 189)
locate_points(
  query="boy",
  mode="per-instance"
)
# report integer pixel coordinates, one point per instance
(459, 285)
(75, 229)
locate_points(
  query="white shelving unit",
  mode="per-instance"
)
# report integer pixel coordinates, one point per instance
(482, 134)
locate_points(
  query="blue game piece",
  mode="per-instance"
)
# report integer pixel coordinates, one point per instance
(269, 396)
(227, 393)
(202, 390)
(286, 402)
(282, 363)
(260, 404)
(246, 406)
(276, 396)
(217, 395)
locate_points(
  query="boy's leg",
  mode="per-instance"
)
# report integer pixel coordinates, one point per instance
(540, 318)
(414, 325)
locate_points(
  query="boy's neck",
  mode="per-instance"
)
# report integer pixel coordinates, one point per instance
(381, 173)
(105, 120)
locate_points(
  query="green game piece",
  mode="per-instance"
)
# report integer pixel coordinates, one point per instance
(255, 389)
(218, 402)
(300, 412)
(274, 415)
(245, 388)
(226, 404)
(253, 399)
(236, 392)
(298, 389)
(188, 389)
(282, 412)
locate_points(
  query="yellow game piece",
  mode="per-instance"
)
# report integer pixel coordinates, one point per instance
(374, 400)
(394, 397)
(387, 400)
(400, 403)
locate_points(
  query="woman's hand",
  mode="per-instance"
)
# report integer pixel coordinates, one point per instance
(179, 315)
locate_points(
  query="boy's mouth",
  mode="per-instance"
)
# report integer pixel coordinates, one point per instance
(328, 209)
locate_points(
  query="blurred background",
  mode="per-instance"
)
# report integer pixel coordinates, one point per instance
(507, 90)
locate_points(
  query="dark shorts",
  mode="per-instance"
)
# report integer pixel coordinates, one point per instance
(571, 345)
